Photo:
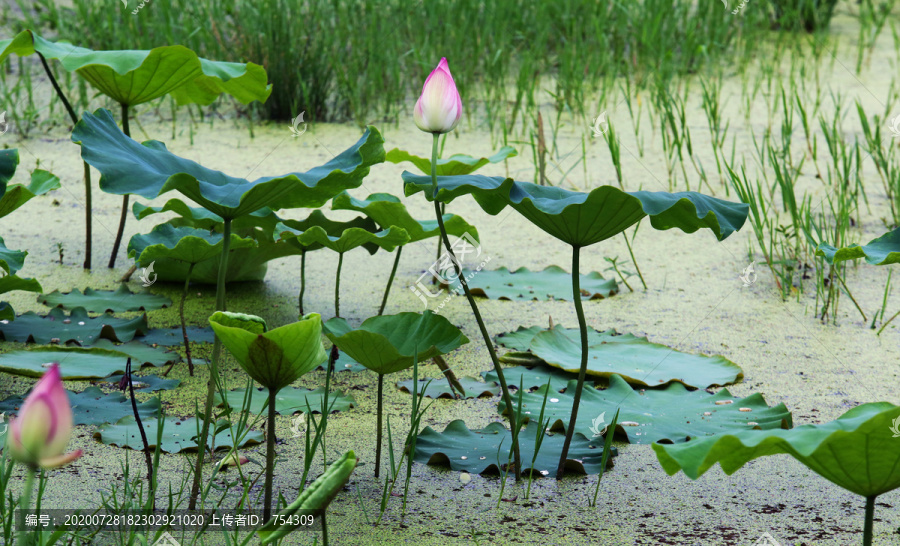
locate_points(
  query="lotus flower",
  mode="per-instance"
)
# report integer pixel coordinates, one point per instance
(439, 107)
(41, 432)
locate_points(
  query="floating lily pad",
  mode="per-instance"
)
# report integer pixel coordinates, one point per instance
(93, 407)
(110, 301)
(141, 354)
(858, 451)
(673, 414)
(178, 435)
(636, 359)
(343, 364)
(174, 336)
(520, 340)
(74, 362)
(533, 377)
(476, 451)
(78, 327)
(146, 383)
(552, 283)
(290, 400)
(439, 388)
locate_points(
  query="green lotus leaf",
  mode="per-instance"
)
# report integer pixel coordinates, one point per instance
(289, 401)
(350, 238)
(275, 358)
(439, 388)
(390, 343)
(9, 283)
(75, 363)
(94, 407)
(150, 170)
(884, 250)
(520, 340)
(147, 383)
(258, 222)
(178, 435)
(78, 327)
(387, 210)
(533, 377)
(857, 451)
(636, 359)
(581, 219)
(11, 260)
(454, 165)
(525, 285)
(184, 244)
(134, 77)
(9, 162)
(673, 414)
(343, 364)
(141, 354)
(331, 228)
(100, 301)
(18, 194)
(486, 451)
(173, 336)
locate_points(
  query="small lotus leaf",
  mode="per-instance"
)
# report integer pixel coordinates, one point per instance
(582, 219)
(331, 228)
(74, 362)
(440, 388)
(290, 400)
(349, 239)
(673, 414)
(148, 383)
(184, 244)
(857, 451)
(78, 327)
(178, 435)
(387, 210)
(343, 364)
(141, 354)
(524, 285)
(884, 250)
(111, 301)
(533, 377)
(390, 343)
(488, 450)
(453, 165)
(18, 194)
(150, 170)
(173, 336)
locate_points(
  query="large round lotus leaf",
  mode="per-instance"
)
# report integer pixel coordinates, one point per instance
(487, 451)
(150, 170)
(74, 362)
(636, 359)
(57, 327)
(289, 401)
(884, 250)
(453, 165)
(387, 210)
(673, 414)
(178, 435)
(146, 383)
(390, 343)
(93, 406)
(858, 451)
(350, 238)
(173, 336)
(582, 219)
(440, 388)
(184, 244)
(134, 77)
(141, 354)
(524, 285)
(100, 301)
(533, 377)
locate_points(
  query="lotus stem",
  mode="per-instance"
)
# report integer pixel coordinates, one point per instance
(484, 333)
(870, 516)
(582, 371)
(87, 169)
(302, 280)
(337, 286)
(124, 216)
(213, 368)
(137, 418)
(270, 456)
(378, 425)
(387, 289)
(25, 504)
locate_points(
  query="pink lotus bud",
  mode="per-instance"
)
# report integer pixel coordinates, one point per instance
(38, 436)
(439, 107)
(233, 459)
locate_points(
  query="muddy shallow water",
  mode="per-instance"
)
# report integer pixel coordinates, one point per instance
(695, 302)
